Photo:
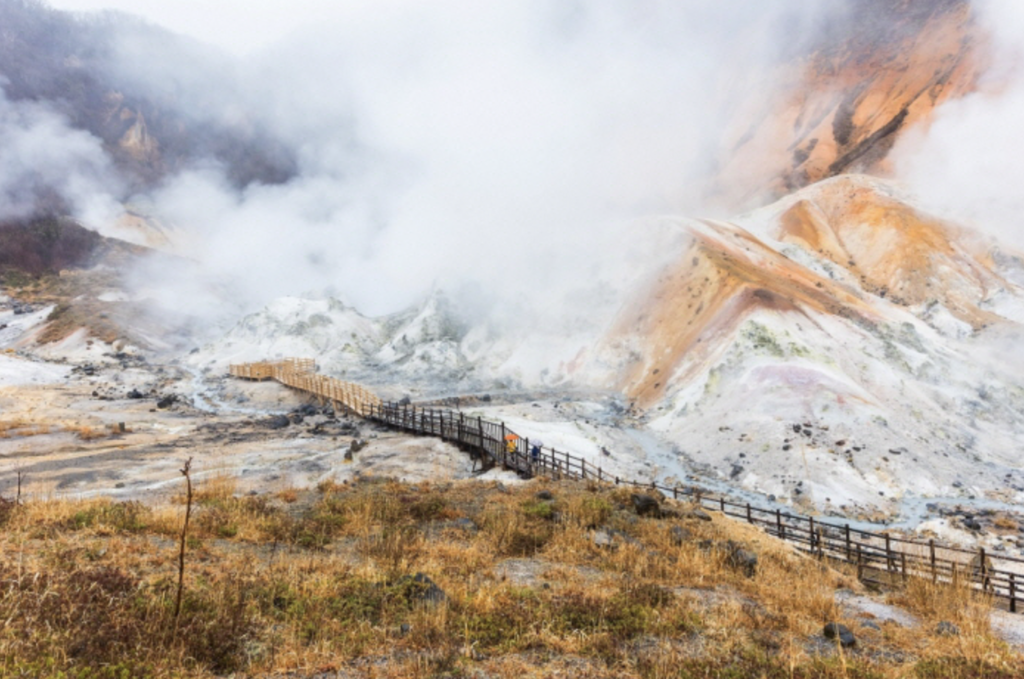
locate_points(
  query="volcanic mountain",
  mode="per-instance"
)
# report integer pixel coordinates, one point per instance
(875, 70)
(841, 337)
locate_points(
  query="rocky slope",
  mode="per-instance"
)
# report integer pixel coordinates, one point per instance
(877, 69)
(838, 346)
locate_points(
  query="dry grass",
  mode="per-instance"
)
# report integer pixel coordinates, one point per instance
(320, 582)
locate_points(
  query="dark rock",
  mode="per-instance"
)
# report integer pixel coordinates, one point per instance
(167, 401)
(679, 535)
(405, 400)
(465, 524)
(947, 629)
(972, 524)
(796, 428)
(741, 559)
(276, 422)
(645, 505)
(296, 418)
(486, 398)
(135, 394)
(897, 451)
(736, 470)
(420, 587)
(348, 454)
(357, 445)
(834, 630)
(308, 410)
(404, 629)
(696, 513)
(545, 495)
(871, 625)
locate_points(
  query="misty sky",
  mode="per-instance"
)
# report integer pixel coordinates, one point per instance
(237, 26)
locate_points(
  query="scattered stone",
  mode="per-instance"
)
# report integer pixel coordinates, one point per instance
(736, 470)
(276, 422)
(741, 559)
(834, 630)
(698, 514)
(119, 484)
(679, 535)
(167, 401)
(135, 394)
(971, 524)
(545, 495)
(405, 400)
(348, 454)
(357, 445)
(871, 625)
(645, 505)
(404, 629)
(947, 629)
(603, 538)
(420, 587)
(465, 524)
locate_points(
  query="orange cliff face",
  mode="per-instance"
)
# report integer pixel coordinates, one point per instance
(886, 69)
(864, 256)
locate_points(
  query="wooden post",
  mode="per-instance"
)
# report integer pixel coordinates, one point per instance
(821, 545)
(721, 504)
(810, 536)
(675, 492)
(583, 468)
(903, 565)
(888, 554)
(778, 522)
(860, 563)
(1013, 592)
(750, 518)
(440, 419)
(504, 445)
(984, 569)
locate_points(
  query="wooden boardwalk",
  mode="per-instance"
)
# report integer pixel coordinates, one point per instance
(879, 557)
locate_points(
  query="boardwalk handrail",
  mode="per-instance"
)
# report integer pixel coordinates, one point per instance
(879, 557)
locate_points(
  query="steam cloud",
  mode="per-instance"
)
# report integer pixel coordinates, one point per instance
(969, 161)
(44, 158)
(500, 148)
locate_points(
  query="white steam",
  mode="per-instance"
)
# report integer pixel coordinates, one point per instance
(499, 146)
(970, 160)
(44, 158)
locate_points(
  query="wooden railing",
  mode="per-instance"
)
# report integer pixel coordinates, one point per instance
(879, 557)
(299, 373)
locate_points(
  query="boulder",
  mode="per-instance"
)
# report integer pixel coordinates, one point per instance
(741, 559)
(679, 535)
(947, 629)
(420, 587)
(545, 495)
(834, 630)
(645, 505)
(276, 422)
(697, 513)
